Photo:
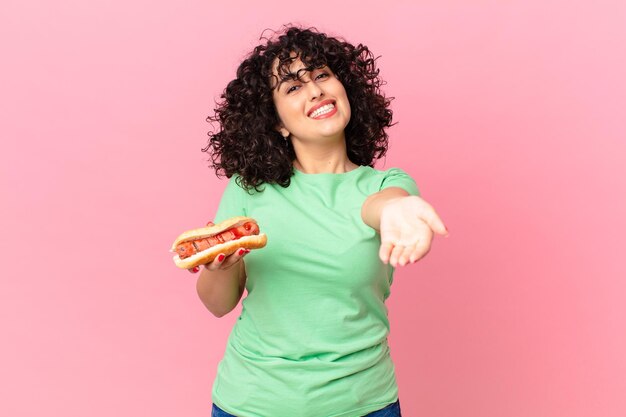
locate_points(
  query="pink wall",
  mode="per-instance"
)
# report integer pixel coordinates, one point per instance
(511, 119)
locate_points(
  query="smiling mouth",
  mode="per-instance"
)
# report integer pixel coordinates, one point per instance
(322, 110)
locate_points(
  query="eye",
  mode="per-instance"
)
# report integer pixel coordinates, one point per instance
(322, 75)
(292, 88)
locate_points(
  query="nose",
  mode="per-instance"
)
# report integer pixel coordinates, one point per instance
(314, 90)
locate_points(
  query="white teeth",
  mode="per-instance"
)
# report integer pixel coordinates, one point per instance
(322, 110)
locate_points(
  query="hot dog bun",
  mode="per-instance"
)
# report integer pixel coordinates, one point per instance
(227, 248)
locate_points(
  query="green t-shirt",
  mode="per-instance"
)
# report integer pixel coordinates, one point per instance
(311, 340)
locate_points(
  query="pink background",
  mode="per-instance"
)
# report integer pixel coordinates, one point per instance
(511, 119)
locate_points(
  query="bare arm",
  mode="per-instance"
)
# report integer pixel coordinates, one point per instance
(221, 284)
(407, 225)
(373, 205)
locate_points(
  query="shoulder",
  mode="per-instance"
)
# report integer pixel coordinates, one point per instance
(393, 177)
(236, 190)
(234, 201)
(235, 186)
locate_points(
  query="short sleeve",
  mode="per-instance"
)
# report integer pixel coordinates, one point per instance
(396, 177)
(233, 202)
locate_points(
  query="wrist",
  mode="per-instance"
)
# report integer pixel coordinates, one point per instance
(375, 204)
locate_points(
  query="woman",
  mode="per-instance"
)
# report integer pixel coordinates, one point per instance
(299, 130)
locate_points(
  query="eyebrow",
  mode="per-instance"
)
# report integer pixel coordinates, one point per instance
(292, 76)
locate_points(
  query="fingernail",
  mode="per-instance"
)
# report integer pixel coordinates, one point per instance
(221, 257)
(241, 252)
(195, 269)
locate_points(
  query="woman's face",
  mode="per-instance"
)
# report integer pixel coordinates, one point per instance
(312, 105)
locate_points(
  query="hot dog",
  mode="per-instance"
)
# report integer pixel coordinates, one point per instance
(200, 246)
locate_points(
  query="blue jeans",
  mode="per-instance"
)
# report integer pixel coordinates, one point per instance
(392, 410)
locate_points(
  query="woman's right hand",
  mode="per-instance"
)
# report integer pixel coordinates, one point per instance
(222, 261)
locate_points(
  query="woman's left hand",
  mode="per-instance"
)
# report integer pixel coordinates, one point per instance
(407, 228)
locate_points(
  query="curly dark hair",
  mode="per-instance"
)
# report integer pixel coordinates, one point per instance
(248, 143)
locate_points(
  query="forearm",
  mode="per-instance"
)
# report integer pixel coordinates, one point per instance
(220, 290)
(373, 205)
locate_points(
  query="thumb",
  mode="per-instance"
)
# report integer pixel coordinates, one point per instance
(435, 223)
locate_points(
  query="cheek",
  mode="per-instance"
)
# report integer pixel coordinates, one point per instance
(347, 109)
(286, 111)
(342, 93)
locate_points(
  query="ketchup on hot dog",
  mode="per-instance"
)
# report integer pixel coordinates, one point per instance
(187, 249)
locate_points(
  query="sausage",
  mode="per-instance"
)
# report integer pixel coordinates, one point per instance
(186, 249)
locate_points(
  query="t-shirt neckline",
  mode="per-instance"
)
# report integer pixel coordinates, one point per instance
(301, 174)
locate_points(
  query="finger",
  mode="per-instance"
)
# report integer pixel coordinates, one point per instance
(235, 257)
(421, 249)
(395, 255)
(194, 270)
(430, 216)
(406, 255)
(210, 223)
(385, 251)
(216, 263)
(419, 253)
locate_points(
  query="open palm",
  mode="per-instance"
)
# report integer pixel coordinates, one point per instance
(407, 228)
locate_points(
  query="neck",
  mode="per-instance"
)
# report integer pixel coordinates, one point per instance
(322, 159)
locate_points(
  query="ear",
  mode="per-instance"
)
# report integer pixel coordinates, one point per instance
(283, 132)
